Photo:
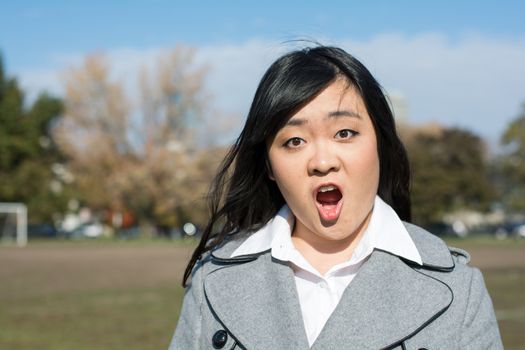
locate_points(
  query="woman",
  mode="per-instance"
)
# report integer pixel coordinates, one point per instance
(306, 247)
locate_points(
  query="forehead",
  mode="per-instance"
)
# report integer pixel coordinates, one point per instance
(339, 99)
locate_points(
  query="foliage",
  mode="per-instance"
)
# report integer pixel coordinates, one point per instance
(449, 170)
(28, 153)
(138, 157)
(511, 165)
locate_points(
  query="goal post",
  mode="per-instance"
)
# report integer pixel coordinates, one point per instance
(20, 212)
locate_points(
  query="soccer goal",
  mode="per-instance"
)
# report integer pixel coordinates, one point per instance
(13, 223)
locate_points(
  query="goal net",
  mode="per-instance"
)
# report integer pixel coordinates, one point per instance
(13, 223)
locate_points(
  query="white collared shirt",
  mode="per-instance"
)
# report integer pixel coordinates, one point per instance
(318, 294)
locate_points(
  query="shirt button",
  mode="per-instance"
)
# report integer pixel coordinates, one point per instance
(219, 339)
(322, 285)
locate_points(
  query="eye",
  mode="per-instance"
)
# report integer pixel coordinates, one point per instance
(345, 134)
(294, 142)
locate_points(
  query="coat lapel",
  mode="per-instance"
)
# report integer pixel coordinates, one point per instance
(387, 302)
(257, 303)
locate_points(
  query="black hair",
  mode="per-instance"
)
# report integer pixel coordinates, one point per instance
(242, 197)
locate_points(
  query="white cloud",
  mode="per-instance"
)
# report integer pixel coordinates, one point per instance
(36, 80)
(235, 71)
(475, 82)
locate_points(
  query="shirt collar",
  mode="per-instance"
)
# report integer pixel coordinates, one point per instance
(385, 231)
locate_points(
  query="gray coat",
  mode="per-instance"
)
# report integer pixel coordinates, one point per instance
(250, 302)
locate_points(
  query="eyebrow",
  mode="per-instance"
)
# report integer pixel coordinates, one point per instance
(334, 114)
(344, 113)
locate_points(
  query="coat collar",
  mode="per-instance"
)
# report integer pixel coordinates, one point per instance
(435, 254)
(385, 231)
(257, 303)
(386, 303)
(378, 309)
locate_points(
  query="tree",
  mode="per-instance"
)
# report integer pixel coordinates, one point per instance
(140, 157)
(449, 172)
(29, 158)
(511, 165)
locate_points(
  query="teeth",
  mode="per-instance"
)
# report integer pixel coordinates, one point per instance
(327, 188)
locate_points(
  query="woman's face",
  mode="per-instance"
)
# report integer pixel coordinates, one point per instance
(326, 165)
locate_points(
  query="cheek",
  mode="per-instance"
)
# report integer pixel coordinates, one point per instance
(282, 168)
(366, 167)
(374, 170)
(285, 173)
(372, 163)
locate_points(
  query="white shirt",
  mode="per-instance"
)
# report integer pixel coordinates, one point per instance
(318, 294)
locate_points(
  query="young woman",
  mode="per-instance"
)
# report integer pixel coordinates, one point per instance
(308, 244)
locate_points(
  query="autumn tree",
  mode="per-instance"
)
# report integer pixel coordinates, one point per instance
(137, 153)
(511, 165)
(30, 163)
(449, 172)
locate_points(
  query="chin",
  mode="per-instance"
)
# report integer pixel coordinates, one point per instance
(335, 235)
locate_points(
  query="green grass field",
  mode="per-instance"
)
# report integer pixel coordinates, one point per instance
(127, 295)
(503, 266)
(90, 295)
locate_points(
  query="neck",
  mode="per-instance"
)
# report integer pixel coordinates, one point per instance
(323, 253)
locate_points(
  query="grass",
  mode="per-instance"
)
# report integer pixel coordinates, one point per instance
(127, 294)
(503, 265)
(64, 295)
(507, 288)
(140, 318)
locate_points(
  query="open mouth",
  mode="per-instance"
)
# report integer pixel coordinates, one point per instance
(328, 199)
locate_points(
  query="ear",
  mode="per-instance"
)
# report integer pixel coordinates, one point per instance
(269, 169)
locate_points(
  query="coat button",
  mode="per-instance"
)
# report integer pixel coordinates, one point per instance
(219, 339)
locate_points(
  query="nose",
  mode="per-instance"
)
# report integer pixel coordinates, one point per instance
(324, 159)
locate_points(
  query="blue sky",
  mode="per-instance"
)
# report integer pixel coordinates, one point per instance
(428, 52)
(32, 31)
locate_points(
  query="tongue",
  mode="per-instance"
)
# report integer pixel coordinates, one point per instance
(329, 204)
(329, 197)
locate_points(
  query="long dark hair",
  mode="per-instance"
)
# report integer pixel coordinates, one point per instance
(242, 198)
